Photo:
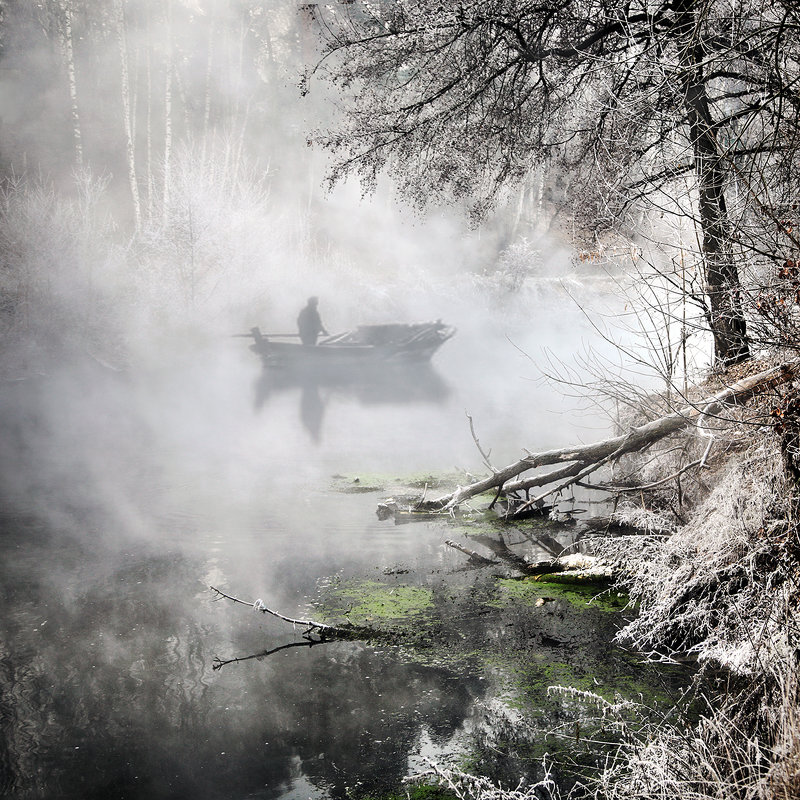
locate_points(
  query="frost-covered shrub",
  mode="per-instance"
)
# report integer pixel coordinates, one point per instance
(59, 266)
(515, 264)
(708, 589)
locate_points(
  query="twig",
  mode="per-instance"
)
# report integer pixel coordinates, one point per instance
(606, 487)
(342, 631)
(484, 455)
(476, 557)
(703, 431)
(219, 663)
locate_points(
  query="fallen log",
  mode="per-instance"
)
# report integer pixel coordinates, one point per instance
(576, 568)
(581, 460)
(390, 509)
(475, 558)
(578, 577)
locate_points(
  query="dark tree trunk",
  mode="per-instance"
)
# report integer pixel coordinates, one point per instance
(726, 317)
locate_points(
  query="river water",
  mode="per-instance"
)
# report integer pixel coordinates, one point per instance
(126, 494)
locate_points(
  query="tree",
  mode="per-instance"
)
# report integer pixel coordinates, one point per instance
(640, 96)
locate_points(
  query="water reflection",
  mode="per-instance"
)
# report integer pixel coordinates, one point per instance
(108, 688)
(371, 384)
(133, 491)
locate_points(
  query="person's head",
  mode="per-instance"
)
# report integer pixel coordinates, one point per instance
(313, 301)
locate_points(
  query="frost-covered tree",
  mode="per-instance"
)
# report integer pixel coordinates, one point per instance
(679, 102)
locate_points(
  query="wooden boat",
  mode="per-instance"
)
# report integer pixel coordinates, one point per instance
(367, 345)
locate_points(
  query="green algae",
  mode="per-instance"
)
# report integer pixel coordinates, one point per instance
(536, 636)
(363, 602)
(422, 791)
(358, 484)
(526, 682)
(398, 484)
(527, 591)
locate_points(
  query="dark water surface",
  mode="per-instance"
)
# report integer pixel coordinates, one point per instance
(126, 494)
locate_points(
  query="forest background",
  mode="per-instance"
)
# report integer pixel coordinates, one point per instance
(157, 172)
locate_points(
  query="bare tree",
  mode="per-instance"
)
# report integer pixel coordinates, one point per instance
(65, 35)
(128, 117)
(635, 97)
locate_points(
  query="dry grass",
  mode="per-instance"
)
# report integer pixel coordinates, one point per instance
(722, 590)
(708, 591)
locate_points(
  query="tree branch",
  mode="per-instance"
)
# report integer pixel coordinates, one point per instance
(584, 459)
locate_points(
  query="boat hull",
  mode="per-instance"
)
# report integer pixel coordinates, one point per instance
(369, 346)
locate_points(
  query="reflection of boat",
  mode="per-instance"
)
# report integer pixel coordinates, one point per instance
(368, 385)
(367, 345)
(406, 383)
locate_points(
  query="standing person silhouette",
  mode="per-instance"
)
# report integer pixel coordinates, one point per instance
(309, 323)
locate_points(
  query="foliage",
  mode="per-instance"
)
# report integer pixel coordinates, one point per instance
(59, 275)
(638, 101)
(469, 97)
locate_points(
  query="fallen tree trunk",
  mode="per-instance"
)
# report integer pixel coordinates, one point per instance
(576, 568)
(581, 460)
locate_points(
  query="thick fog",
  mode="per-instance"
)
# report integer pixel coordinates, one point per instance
(194, 108)
(159, 198)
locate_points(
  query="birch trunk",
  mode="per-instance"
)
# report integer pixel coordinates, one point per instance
(167, 116)
(130, 146)
(151, 192)
(207, 100)
(69, 60)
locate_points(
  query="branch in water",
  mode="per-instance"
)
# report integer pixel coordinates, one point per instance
(219, 663)
(577, 462)
(326, 632)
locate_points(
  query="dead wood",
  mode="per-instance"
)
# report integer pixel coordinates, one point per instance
(591, 574)
(391, 509)
(577, 568)
(475, 558)
(500, 548)
(219, 663)
(579, 461)
(347, 630)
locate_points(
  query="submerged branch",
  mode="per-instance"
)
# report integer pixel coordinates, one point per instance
(576, 568)
(326, 632)
(475, 558)
(219, 663)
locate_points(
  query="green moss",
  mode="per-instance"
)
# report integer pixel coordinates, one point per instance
(423, 791)
(359, 484)
(422, 480)
(527, 678)
(412, 484)
(529, 592)
(369, 601)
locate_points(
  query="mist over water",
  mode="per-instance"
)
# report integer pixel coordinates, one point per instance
(145, 454)
(128, 493)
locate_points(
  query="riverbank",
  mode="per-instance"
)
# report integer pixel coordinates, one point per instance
(722, 591)
(713, 572)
